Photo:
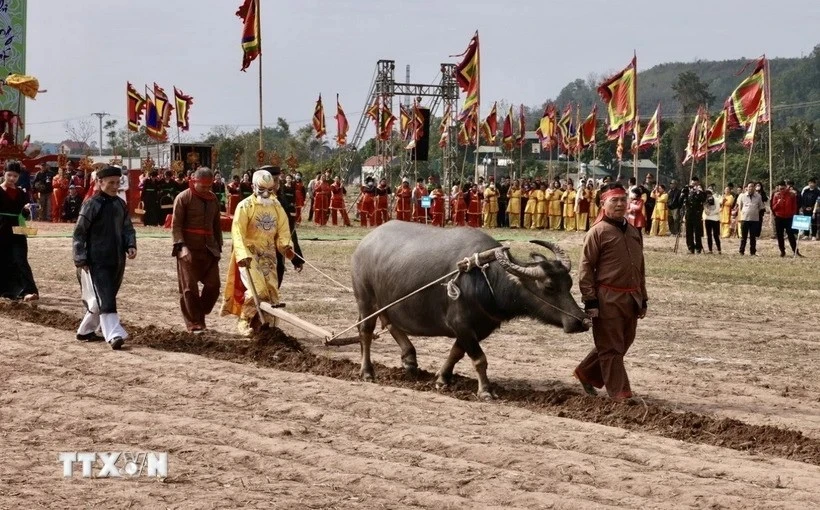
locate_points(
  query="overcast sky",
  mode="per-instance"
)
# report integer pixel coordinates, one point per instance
(84, 51)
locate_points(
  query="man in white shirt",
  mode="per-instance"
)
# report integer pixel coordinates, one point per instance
(750, 203)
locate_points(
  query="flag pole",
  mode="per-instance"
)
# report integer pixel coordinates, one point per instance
(577, 142)
(724, 164)
(769, 106)
(748, 162)
(259, 23)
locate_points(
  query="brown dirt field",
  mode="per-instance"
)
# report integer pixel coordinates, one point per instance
(728, 417)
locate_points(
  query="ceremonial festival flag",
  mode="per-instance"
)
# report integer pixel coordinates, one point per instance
(703, 135)
(652, 134)
(445, 127)
(717, 133)
(749, 137)
(564, 128)
(386, 122)
(507, 137)
(636, 134)
(468, 74)
(619, 150)
(163, 105)
(251, 32)
(692, 140)
(319, 118)
(153, 120)
(621, 97)
(183, 105)
(749, 100)
(522, 127)
(405, 122)
(466, 132)
(489, 127)
(341, 124)
(373, 111)
(546, 127)
(586, 132)
(134, 107)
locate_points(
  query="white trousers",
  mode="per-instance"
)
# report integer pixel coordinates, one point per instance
(93, 320)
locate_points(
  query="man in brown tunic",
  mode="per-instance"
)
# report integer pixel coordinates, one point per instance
(197, 247)
(612, 280)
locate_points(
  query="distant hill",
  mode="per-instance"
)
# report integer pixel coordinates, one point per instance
(794, 81)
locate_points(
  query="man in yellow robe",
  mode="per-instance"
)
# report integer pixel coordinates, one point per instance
(660, 213)
(568, 198)
(260, 229)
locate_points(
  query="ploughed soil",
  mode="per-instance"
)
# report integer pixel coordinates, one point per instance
(727, 413)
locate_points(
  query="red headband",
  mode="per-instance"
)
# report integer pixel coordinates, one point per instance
(612, 192)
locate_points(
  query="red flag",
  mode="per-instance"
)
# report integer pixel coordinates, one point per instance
(445, 127)
(489, 127)
(717, 134)
(386, 122)
(692, 140)
(652, 133)
(251, 32)
(468, 74)
(341, 124)
(749, 137)
(621, 97)
(507, 137)
(135, 105)
(619, 150)
(586, 133)
(319, 118)
(522, 126)
(564, 128)
(405, 122)
(750, 99)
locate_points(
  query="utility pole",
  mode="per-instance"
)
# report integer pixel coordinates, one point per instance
(100, 116)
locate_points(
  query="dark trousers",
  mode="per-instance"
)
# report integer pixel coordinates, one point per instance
(713, 233)
(784, 226)
(310, 210)
(44, 201)
(16, 278)
(604, 365)
(747, 231)
(674, 221)
(694, 234)
(195, 304)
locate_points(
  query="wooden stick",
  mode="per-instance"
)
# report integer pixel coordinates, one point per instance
(259, 58)
(295, 321)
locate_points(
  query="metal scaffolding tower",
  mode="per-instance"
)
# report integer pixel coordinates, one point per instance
(445, 92)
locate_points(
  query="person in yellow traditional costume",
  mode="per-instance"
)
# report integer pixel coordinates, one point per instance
(568, 198)
(660, 214)
(555, 208)
(541, 198)
(726, 205)
(530, 209)
(490, 206)
(514, 204)
(259, 230)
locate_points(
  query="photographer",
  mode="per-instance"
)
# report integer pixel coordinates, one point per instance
(675, 202)
(694, 199)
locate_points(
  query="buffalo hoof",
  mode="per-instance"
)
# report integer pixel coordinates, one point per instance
(443, 381)
(411, 369)
(486, 396)
(367, 375)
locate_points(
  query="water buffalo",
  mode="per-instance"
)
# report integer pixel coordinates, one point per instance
(399, 257)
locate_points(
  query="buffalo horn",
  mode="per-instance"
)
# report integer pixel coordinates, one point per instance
(533, 272)
(560, 254)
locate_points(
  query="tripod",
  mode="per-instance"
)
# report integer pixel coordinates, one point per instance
(680, 227)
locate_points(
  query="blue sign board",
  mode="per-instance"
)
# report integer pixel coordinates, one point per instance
(800, 222)
(426, 202)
